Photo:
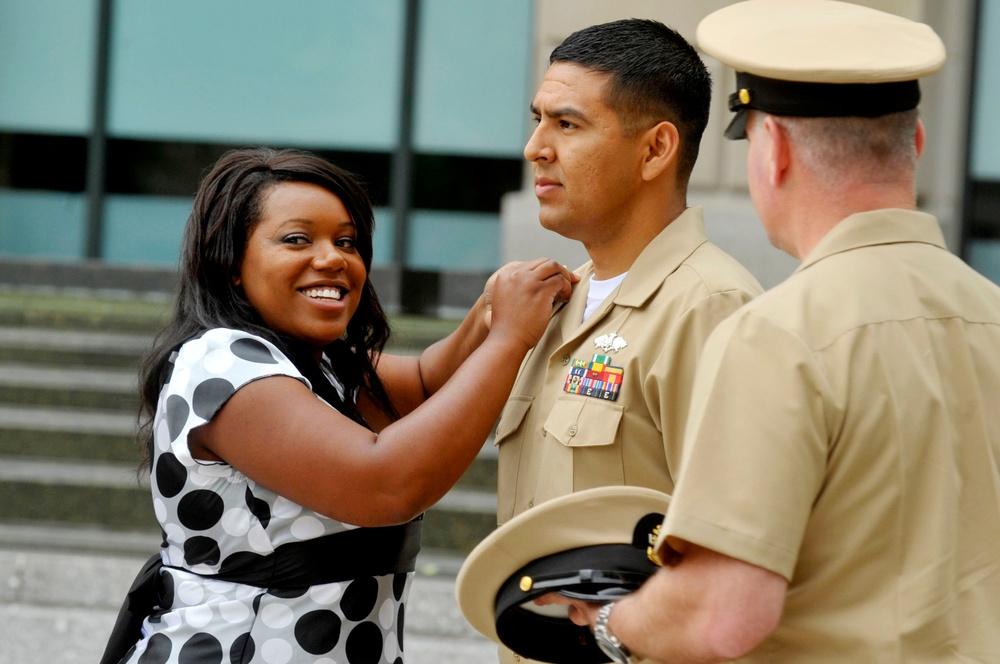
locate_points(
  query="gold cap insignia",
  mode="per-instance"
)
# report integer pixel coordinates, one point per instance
(744, 96)
(651, 549)
(526, 583)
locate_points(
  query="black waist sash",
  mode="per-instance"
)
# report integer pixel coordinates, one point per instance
(339, 557)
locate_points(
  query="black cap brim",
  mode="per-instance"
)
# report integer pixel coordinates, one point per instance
(595, 574)
(737, 129)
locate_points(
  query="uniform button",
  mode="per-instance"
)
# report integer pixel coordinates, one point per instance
(565, 360)
(531, 503)
(573, 430)
(545, 432)
(517, 658)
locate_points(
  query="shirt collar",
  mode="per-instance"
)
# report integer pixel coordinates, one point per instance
(866, 229)
(662, 256)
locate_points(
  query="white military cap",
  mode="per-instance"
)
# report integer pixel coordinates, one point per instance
(594, 545)
(819, 58)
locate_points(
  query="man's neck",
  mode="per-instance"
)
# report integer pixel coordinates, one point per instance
(616, 254)
(818, 215)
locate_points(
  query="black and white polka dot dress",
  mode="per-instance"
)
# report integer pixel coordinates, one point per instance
(211, 513)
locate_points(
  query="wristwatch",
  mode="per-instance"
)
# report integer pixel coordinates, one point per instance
(607, 641)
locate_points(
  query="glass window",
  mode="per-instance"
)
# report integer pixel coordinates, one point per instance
(314, 72)
(144, 229)
(473, 68)
(47, 55)
(454, 241)
(46, 224)
(981, 222)
(985, 163)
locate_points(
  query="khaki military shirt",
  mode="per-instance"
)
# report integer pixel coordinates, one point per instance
(561, 431)
(603, 402)
(844, 433)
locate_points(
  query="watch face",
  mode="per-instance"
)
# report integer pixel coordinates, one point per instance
(612, 651)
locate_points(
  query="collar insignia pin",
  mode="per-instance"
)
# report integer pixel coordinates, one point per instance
(610, 342)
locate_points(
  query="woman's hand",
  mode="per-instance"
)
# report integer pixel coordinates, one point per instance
(519, 296)
(450, 398)
(411, 380)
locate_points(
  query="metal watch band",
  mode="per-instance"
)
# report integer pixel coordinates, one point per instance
(607, 641)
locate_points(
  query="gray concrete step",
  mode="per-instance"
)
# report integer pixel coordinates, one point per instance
(68, 406)
(59, 433)
(62, 346)
(79, 473)
(88, 388)
(111, 497)
(82, 310)
(119, 343)
(22, 375)
(65, 420)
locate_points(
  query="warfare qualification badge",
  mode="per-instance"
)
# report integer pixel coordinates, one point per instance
(610, 342)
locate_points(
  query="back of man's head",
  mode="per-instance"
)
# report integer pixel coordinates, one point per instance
(850, 150)
(655, 75)
(841, 78)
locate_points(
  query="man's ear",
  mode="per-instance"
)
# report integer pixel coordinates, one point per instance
(919, 137)
(660, 145)
(779, 152)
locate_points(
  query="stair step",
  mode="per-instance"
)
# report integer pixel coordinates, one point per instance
(26, 375)
(42, 347)
(68, 416)
(65, 420)
(56, 433)
(80, 473)
(54, 535)
(101, 311)
(83, 398)
(110, 390)
(111, 496)
(33, 376)
(83, 311)
(116, 343)
(63, 348)
(33, 442)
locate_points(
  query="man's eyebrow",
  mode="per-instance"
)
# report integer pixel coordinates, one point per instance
(561, 112)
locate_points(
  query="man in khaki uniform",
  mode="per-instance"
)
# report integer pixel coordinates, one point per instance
(839, 491)
(601, 399)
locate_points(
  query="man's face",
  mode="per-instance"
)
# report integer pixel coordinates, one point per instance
(586, 170)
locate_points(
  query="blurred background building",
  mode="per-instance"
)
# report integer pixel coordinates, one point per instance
(111, 110)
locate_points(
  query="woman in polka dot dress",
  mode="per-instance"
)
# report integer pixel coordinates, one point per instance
(290, 457)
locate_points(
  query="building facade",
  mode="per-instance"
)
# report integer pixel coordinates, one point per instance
(111, 110)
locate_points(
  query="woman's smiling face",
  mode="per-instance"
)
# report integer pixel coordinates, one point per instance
(301, 269)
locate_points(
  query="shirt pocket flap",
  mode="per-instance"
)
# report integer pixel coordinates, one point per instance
(583, 422)
(512, 416)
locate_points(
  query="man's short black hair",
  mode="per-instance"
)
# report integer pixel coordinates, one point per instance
(655, 75)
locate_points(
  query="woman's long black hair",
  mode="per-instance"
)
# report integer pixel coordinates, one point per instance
(226, 209)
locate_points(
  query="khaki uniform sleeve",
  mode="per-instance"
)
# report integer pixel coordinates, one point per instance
(668, 388)
(755, 448)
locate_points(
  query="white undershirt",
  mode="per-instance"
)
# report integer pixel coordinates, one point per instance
(599, 291)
